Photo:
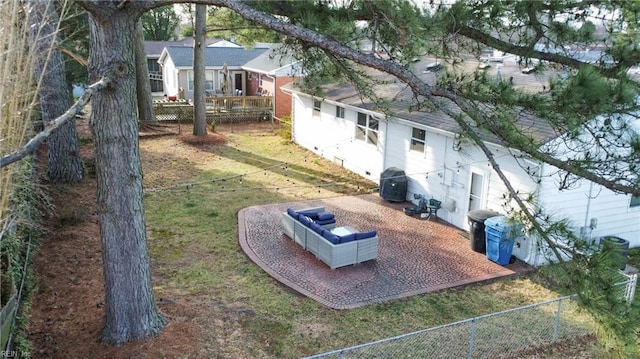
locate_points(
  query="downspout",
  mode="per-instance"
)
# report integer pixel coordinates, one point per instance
(384, 150)
(444, 162)
(273, 103)
(587, 223)
(291, 92)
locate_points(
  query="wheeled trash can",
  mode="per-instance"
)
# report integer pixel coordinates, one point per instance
(476, 228)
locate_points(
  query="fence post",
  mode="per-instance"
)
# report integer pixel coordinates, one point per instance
(471, 338)
(557, 324)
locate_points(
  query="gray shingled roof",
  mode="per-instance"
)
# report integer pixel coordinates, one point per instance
(270, 61)
(154, 48)
(402, 101)
(214, 56)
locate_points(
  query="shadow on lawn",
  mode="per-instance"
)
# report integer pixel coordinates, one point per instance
(345, 182)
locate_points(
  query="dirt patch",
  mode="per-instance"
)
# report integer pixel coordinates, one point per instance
(574, 348)
(67, 312)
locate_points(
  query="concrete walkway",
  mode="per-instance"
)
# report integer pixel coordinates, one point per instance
(415, 256)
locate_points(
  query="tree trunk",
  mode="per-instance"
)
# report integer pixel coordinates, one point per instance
(131, 313)
(145, 100)
(63, 152)
(199, 110)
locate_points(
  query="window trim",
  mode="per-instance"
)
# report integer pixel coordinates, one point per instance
(366, 130)
(422, 141)
(317, 105)
(190, 80)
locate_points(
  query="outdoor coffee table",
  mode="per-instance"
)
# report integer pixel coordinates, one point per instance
(343, 231)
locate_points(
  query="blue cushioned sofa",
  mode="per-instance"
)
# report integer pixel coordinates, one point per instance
(315, 230)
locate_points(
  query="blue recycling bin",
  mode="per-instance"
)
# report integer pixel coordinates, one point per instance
(500, 236)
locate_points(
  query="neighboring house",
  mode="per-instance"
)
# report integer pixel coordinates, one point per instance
(342, 128)
(154, 49)
(259, 71)
(176, 64)
(267, 74)
(177, 69)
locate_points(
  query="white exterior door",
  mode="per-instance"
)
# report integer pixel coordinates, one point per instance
(476, 191)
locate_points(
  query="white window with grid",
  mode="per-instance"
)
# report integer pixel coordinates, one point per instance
(208, 80)
(367, 128)
(317, 106)
(418, 139)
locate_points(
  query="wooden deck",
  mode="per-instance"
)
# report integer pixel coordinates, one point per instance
(239, 104)
(219, 109)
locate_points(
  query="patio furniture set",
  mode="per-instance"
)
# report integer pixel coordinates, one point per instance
(315, 230)
(425, 208)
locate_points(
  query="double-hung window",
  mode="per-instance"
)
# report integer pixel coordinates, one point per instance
(317, 104)
(367, 128)
(190, 80)
(418, 139)
(339, 112)
(208, 80)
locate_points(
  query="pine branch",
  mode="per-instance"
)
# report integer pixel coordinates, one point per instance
(416, 84)
(54, 125)
(469, 131)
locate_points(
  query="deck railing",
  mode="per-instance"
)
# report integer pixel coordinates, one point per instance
(219, 109)
(239, 104)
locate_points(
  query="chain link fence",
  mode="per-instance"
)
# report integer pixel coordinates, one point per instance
(507, 334)
(627, 287)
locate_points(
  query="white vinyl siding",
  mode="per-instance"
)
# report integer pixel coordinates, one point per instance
(334, 138)
(444, 173)
(582, 202)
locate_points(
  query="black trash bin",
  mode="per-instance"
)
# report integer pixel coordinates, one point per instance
(476, 228)
(619, 248)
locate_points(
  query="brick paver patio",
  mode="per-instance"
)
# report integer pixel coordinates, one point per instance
(415, 256)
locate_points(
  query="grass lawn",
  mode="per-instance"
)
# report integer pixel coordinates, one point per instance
(193, 194)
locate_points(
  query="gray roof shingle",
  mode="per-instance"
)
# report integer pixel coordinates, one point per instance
(401, 104)
(182, 56)
(270, 61)
(154, 48)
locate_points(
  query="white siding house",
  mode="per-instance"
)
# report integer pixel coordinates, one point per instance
(334, 137)
(428, 156)
(343, 129)
(153, 50)
(177, 68)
